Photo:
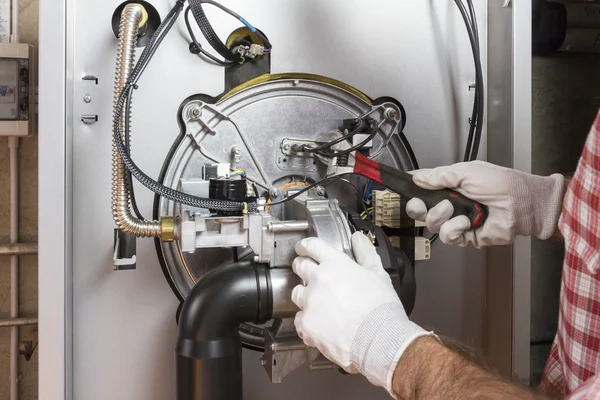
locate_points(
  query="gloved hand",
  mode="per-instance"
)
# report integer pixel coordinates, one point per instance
(350, 310)
(518, 203)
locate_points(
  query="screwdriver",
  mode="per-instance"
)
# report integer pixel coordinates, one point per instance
(402, 183)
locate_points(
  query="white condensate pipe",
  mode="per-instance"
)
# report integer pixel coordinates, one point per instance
(13, 145)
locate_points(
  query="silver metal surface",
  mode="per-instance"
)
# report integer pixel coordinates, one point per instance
(289, 226)
(306, 107)
(424, 77)
(522, 136)
(283, 281)
(508, 288)
(284, 350)
(55, 205)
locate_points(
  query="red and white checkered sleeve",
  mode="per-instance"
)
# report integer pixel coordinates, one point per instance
(590, 390)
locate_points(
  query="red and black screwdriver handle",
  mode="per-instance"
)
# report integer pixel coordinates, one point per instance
(402, 183)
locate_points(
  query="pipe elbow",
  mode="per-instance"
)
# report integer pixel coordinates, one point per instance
(209, 350)
(225, 298)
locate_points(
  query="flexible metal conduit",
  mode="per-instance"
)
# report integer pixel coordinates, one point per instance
(131, 17)
(209, 350)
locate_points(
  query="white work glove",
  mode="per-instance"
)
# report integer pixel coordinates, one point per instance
(350, 311)
(518, 203)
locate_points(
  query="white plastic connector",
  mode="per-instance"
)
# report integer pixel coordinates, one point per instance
(422, 248)
(255, 50)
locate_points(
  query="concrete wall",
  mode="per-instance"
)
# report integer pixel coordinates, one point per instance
(28, 31)
(566, 98)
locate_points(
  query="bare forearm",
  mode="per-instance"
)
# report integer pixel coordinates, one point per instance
(428, 370)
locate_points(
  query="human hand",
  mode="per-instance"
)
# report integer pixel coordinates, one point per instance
(350, 310)
(518, 203)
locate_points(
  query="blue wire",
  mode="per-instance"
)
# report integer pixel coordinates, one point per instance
(369, 189)
(248, 24)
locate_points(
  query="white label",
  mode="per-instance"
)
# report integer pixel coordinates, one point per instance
(4, 21)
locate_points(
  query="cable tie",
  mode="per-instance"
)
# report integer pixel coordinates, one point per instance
(132, 85)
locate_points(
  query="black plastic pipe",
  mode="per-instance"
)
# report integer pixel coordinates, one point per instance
(209, 350)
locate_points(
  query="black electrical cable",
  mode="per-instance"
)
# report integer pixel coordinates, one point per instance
(476, 124)
(211, 36)
(360, 200)
(479, 85)
(327, 145)
(476, 128)
(134, 205)
(142, 63)
(332, 154)
(123, 103)
(196, 47)
(322, 182)
(209, 33)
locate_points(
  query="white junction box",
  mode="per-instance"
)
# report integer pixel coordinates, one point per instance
(17, 90)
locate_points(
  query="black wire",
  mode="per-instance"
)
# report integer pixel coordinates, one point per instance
(198, 46)
(479, 83)
(122, 103)
(476, 128)
(329, 144)
(332, 154)
(477, 115)
(143, 61)
(360, 200)
(325, 181)
(132, 199)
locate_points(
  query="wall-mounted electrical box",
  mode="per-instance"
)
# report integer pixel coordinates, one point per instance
(17, 90)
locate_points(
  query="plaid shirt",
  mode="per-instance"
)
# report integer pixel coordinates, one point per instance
(573, 367)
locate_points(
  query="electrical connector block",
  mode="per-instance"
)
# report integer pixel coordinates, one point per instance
(422, 247)
(387, 209)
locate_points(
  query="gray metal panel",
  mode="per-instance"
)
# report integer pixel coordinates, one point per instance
(54, 228)
(509, 144)
(522, 161)
(124, 327)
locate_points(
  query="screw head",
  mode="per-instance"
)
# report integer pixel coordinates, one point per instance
(320, 191)
(274, 192)
(195, 112)
(390, 113)
(87, 98)
(286, 147)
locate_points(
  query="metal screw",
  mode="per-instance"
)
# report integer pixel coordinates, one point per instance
(286, 147)
(274, 192)
(87, 98)
(195, 112)
(390, 113)
(237, 151)
(296, 82)
(320, 191)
